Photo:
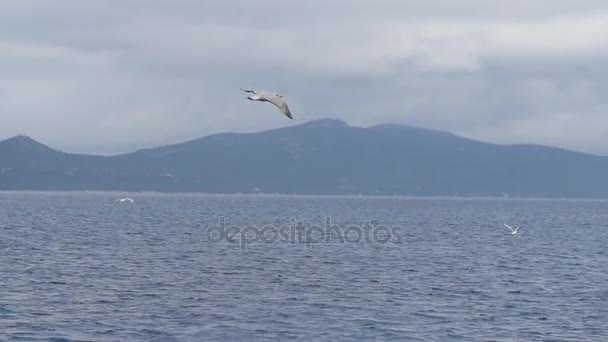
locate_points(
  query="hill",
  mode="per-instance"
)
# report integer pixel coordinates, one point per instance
(318, 157)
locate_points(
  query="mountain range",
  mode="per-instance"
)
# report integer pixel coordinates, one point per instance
(325, 157)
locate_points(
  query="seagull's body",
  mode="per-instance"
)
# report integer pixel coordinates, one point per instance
(126, 199)
(265, 96)
(513, 230)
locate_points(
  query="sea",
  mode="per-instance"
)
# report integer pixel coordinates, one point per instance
(82, 266)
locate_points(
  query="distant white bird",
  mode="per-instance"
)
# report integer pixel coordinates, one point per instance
(513, 230)
(126, 199)
(265, 96)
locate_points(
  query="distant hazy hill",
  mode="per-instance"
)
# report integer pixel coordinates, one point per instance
(319, 157)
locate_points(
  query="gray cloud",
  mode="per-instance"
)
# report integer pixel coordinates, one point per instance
(113, 76)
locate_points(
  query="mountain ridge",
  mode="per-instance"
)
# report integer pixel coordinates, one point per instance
(324, 157)
(25, 138)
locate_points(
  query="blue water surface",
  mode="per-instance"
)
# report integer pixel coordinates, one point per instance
(82, 267)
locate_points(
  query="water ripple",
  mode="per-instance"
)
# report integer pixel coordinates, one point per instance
(75, 267)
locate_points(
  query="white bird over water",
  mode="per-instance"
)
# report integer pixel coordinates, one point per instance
(513, 230)
(265, 96)
(126, 199)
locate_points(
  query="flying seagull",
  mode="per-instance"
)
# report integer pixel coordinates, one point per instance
(265, 96)
(513, 230)
(126, 199)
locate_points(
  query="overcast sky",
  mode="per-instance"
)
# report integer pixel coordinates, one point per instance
(116, 75)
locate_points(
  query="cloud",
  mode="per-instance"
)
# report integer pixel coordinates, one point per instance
(109, 77)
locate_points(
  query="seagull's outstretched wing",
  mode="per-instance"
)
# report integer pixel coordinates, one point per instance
(510, 228)
(278, 101)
